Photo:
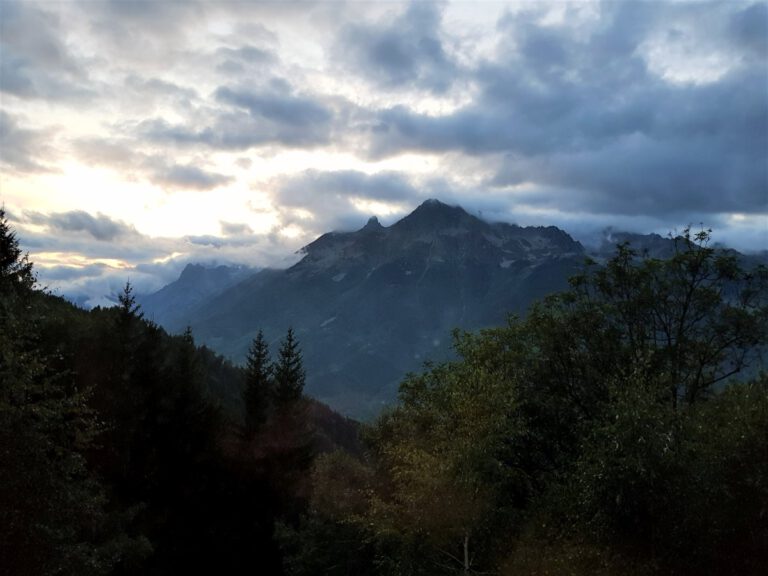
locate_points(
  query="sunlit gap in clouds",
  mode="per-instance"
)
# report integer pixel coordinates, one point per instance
(70, 260)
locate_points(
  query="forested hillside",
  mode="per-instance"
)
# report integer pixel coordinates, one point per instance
(609, 432)
(620, 428)
(123, 450)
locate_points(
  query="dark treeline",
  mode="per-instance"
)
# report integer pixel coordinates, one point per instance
(123, 450)
(620, 428)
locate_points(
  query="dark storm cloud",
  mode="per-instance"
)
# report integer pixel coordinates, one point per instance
(330, 197)
(248, 117)
(189, 178)
(402, 51)
(278, 107)
(314, 187)
(64, 273)
(583, 114)
(234, 130)
(100, 227)
(24, 149)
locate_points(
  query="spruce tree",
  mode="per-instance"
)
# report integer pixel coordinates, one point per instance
(258, 384)
(15, 267)
(128, 306)
(289, 375)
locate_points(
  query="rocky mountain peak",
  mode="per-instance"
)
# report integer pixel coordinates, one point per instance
(433, 214)
(435, 231)
(372, 224)
(192, 272)
(370, 305)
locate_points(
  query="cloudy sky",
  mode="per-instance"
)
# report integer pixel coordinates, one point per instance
(137, 135)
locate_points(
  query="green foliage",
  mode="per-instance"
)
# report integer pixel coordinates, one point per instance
(593, 437)
(332, 538)
(691, 321)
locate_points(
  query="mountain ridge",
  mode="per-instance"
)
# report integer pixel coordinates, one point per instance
(372, 304)
(196, 283)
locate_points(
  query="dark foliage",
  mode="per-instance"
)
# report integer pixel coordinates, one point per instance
(258, 385)
(607, 433)
(288, 370)
(121, 449)
(621, 428)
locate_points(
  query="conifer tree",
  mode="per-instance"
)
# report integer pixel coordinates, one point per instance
(258, 384)
(289, 375)
(128, 306)
(53, 512)
(15, 268)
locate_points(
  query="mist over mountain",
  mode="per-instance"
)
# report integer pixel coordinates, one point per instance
(371, 305)
(172, 304)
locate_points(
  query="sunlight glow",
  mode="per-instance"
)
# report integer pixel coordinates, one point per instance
(72, 260)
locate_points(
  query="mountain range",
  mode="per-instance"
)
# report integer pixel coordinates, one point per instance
(371, 305)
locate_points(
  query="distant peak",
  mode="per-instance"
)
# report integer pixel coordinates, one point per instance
(433, 203)
(433, 214)
(434, 206)
(373, 224)
(192, 268)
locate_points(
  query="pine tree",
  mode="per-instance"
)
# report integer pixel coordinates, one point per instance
(15, 268)
(289, 375)
(258, 384)
(128, 306)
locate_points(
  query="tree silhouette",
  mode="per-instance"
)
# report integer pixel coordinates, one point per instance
(128, 306)
(289, 375)
(258, 384)
(15, 269)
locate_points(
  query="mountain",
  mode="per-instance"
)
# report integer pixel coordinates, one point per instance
(171, 305)
(651, 245)
(371, 305)
(663, 247)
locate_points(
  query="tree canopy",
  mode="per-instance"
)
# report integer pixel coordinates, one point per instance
(607, 432)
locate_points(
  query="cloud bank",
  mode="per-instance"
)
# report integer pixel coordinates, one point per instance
(137, 136)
